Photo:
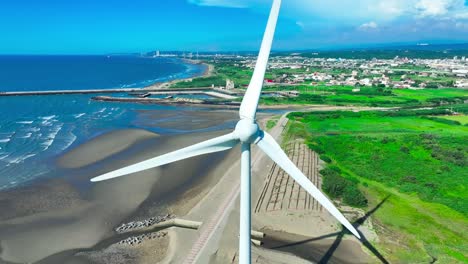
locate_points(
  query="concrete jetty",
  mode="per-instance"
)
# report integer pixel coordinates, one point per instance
(218, 92)
(58, 92)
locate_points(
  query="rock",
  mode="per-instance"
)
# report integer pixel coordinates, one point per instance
(145, 223)
(136, 240)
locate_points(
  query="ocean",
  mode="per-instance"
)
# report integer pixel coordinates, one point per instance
(36, 73)
(35, 129)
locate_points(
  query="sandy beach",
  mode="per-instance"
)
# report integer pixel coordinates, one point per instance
(207, 73)
(67, 219)
(70, 213)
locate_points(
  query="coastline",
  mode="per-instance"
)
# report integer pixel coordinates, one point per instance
(209, 71)
(79, 218)
(71, 205)
(56, 120)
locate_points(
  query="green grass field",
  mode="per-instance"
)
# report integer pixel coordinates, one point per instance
(367, 96)
(427, 94)
(463, 119)
(421, 164)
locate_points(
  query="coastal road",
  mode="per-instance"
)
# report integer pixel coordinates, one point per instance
(213, 227)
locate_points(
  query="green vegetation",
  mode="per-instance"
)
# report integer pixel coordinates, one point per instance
(322, 94)
(415, 158)
(440, 52)
(367, 96)
(223, 71)
(338, 187)
(462, 119)
(201, 82)
(271, 123)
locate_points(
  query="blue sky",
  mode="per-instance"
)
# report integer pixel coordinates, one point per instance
(93, 26)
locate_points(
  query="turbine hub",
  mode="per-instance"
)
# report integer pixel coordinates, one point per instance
(247, 131)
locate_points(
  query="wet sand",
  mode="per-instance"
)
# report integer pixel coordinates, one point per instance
(51, 221)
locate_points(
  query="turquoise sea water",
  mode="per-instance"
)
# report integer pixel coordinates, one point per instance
(34, 129)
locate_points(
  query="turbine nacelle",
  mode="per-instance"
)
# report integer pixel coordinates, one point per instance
(247, 131)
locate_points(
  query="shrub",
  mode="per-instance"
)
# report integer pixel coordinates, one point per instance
(338, 187)
(354, 197)
(326, 158)
(316, 148)
(404, 149)
(445, 168)
(334, 185)
(428, 136)
(410, 179)
(385, 140)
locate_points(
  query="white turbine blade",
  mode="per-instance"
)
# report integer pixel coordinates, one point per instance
(274, 151)
(213, 145)
(249, 104)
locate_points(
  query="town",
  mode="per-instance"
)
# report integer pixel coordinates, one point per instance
(400, 72)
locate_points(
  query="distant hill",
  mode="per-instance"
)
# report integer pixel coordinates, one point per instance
(421, 51)
(433, 47)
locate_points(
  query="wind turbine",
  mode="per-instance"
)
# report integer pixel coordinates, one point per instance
(246, 133)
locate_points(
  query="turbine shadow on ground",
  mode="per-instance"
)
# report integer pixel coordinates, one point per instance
(364, 240)
(328, 254)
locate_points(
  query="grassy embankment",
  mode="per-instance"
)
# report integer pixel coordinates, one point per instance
(420, 163)
(271, 123)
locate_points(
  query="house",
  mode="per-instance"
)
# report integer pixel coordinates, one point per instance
(461, 84)
(229, 84)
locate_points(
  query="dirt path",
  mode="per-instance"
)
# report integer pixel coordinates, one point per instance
(209, 228)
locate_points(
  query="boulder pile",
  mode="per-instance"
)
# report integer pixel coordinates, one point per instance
(142, 224)
(136, 240)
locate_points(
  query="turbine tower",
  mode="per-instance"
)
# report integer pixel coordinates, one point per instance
(246, 133)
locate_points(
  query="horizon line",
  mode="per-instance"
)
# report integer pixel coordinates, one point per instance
(384, 46)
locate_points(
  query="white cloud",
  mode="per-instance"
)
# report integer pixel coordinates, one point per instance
(433, 7)
(369, 26)
(355, 13)
(222, 3)
(300, 24)
(390, 8)
(462, 15)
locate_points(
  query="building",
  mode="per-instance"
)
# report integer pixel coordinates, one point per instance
(229, 84)
(461, 84)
